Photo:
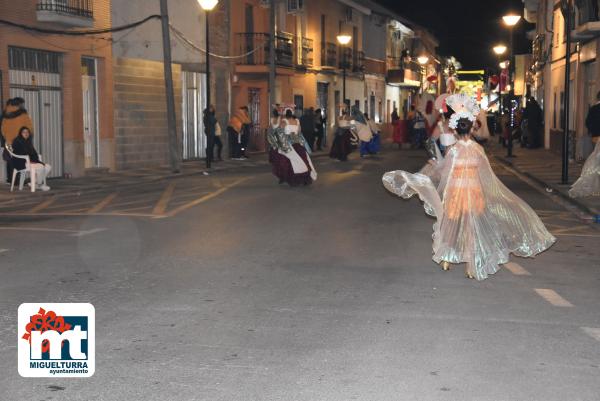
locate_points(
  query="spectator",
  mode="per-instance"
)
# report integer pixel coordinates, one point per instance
(533, 117)
(245, 131)
(13, 118)
(210, 122)
(235, 130)
(308, 127)
(320, 121)
(23, 145)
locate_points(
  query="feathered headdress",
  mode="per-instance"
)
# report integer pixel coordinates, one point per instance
(464, 107)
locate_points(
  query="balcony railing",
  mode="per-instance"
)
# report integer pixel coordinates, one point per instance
(328, 55)
(78, 8)
(306, 58)
(255, 46)
(346, 58)
(358, 61)
(587, 11)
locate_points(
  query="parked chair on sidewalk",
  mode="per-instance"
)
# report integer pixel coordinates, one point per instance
(23, 173)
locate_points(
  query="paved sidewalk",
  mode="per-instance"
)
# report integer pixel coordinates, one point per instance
(545, 168)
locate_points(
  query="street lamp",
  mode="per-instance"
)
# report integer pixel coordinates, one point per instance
(503, 65)
(500, 49)
(511, 20)
(343, 39)
(208, 5)
(423, 59)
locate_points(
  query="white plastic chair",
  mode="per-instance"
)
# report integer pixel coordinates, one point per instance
(27, 171)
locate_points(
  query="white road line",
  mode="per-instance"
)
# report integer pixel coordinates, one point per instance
(74, 233)
(516, 269)
(552, 297)
(4, 250)
(593, 332)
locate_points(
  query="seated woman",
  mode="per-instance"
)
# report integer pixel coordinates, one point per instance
(23, 146)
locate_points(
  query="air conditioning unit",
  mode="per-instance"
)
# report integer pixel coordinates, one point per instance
(295, 6)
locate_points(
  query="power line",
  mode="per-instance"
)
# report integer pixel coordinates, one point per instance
(79, 32)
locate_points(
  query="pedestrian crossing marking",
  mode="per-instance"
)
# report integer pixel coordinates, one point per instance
(43, 205)
(516, 269)
(103, 203)
(163, 202)
(593, 332)
(553, 297)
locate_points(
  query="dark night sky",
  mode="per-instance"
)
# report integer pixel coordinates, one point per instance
(466, 29)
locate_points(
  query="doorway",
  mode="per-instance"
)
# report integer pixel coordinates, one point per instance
(89, 87)
(323, 104)
(256, 140)
(194, 100)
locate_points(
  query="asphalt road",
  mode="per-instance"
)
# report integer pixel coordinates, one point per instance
(256, 291)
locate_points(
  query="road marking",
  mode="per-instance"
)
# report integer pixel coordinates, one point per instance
(43, 205)
(516, 269)
(103, 203)
(4, 250)
(74, 233)
(552, 297)
(593, 332)
(204, 198)
(161, 205)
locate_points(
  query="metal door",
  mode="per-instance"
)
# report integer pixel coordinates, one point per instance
(194, 102)
(90, 112)
(256, 139)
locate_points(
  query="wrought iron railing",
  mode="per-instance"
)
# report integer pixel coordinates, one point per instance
(306, 58)
(346, 58)
(255, 47)
(80, 8)
(328, 54)
(588, 11)
(358, 61)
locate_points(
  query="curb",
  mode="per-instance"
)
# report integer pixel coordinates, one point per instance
(555, 189)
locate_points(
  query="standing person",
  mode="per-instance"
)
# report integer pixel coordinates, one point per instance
(418, 126)
(320, 121)
(210, 127)
(535, 121)
(14, 118)
(23, 145)
(399, 135)
(245, 137)
(235, 131)
(480, 222)
(308, 127)
(588, 183)
(374, 145)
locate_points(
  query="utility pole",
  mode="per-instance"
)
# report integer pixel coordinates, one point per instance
(566, 11)
(272, 65)
(169, 91)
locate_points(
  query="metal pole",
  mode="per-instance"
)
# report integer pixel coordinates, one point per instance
(511, 93)
(169, 90)
(344, 77)
(565, 146)
(272, 66)
(209, 136)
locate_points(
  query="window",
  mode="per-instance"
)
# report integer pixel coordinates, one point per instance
(23, 59)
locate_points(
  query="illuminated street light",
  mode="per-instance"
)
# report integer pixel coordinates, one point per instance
(500, 49)
(503, 65)
(423, 59)
(511, 19)
(208, 5)
(343, 39)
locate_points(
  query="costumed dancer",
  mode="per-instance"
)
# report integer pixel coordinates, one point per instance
(480, 222)
(285, 138)
(374, 146)
(588, 183)
(342, 142)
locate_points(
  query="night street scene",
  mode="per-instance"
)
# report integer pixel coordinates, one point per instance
(300, 200)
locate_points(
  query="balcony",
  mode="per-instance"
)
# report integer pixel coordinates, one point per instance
(358, 62)
(539, 52)
(328, 55)
(588, 24)
(289, 53)
(402, 72)
(69, 13)
(306, 56)
(346, 58)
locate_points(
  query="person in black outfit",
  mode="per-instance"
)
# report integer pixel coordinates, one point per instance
(308, 127)
(592, 121)
(23, 145)
(534, 116)
(210, 122)
(320, 128)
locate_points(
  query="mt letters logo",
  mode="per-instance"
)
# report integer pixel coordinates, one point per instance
(56, 340)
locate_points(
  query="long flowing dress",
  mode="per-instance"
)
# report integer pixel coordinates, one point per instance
(588, 183)
(288, 157)
(479, 220)
(342, 142)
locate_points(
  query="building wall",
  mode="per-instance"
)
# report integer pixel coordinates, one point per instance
(140, 116)
(72, 49)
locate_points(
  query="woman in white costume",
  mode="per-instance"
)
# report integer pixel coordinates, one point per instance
(588, 183)
(480, 222)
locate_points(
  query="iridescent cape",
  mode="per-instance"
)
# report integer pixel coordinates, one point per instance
(588, 183)
(478, 219)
